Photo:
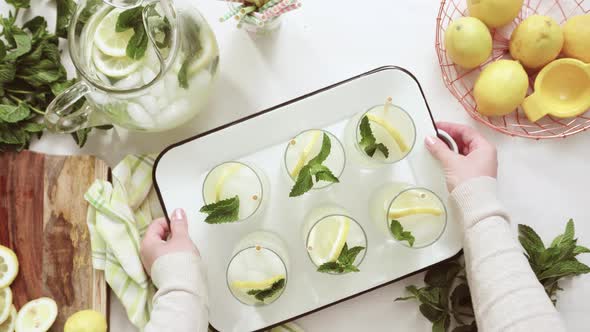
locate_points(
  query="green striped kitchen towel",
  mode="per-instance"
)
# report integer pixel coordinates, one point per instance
(118, 216)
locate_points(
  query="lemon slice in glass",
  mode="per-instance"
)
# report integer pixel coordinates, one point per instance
(8, 266)
(227, 172)
(394, 133)
(413, 202)
(400, 213)
(5, 303)
(257, 285)
(114, 66)
(305, 154)
(108, 40)
(327, 238)
(36, 316)
(8, 325)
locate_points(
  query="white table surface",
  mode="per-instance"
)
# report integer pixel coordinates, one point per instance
(542, 183)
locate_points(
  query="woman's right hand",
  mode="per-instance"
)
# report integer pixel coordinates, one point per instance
(477, 157)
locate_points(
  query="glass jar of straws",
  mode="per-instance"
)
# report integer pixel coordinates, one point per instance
(259, 17)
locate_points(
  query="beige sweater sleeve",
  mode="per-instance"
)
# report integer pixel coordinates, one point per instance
(181, 302)
(506, 294)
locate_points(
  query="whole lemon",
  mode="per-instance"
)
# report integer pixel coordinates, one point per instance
(536, 41)
(576, 32)
(86, 321)
(494, 13)
(500, 88)
(468, 42)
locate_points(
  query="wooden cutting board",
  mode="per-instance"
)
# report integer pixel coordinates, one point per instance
(43, 219)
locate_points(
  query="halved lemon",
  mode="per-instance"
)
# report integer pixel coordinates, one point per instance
(404, 212)
(108, 40)
(36, 316)
(8, 266)
(327, 238)
(8, 325)
(227, 173)
(394, 133)
(305, 154)
(257, 285)
(5, 303)
(114, 66)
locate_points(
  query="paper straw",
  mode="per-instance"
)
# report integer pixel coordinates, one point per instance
(253, 20)
(283, 11)
(269, 4)
(230, 14)
(276, 7)
(247, 10)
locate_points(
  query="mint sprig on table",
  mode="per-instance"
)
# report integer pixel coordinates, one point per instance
(262, 294)
(315, 168)
(446, 298)
(345, 261)
(397, 230)
(224, 211)
(368, 141)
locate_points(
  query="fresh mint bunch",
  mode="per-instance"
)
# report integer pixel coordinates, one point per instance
(314, 167)
(31, 75)
(345, 261)
(224, 211)
(368, 141)
(446, 297)
(399, 234)
(263, 294)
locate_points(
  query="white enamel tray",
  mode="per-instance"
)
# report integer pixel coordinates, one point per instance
(260, 139)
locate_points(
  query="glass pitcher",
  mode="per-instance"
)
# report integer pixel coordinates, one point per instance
(145, 65)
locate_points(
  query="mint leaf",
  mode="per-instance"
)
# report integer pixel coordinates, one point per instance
(22, 45)
(129, 19)
(33, 127)
(397, 230)
(13, 114)
(350, 255)
(65, 10)
(223, 211)
(564, 268)
(368, 142)
(580, 250)
(442, 325)
(431, 313)
(466, 328)
(7, 72)
(324, 151)
(331, 267)
(19, 3)
(183, 72)
(344, 263)
(303, 183)
(442, 275)
(530, 240)
(138, 43)
(323, 173)
(37, 26)
(262, 294)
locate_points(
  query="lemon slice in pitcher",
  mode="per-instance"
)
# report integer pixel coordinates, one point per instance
(108, 40)
(8, 266)
(36, 316)
(327, 238)
(8, 325)
(394, 133)
(114, 66)
(5, 303)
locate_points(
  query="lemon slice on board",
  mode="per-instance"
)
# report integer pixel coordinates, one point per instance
(257, 285)
(5, 303)
(108, 40)
(327, 238)
(227, 172)
(305, 154)
(394, 133)
(114, 66)
(36, 316)
(8, 325)
(8, 266)
(400, 213)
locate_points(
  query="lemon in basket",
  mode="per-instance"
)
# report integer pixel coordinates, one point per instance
(468, 42)
(536, 41)
(576, 33)
(500, 88)
(494, 13)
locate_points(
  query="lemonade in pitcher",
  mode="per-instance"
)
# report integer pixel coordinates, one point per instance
(146, 68)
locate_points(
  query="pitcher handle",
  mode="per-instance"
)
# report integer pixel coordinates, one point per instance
(62, 116)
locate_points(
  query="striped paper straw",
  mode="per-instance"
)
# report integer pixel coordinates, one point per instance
(230, 14)
(283, 11)
(253, 20)
(277, 7)
(269, 4)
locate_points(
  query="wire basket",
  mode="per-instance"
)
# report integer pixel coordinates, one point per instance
(461, 81)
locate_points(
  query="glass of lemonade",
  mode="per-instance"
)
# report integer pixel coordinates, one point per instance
(258, 271)
(329, 235)
(305, 147)
(145, 68)
(236, 179)
(393, 132)
(419, 215)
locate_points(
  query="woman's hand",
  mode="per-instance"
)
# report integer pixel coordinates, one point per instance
(477, 157)
(156, 243)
